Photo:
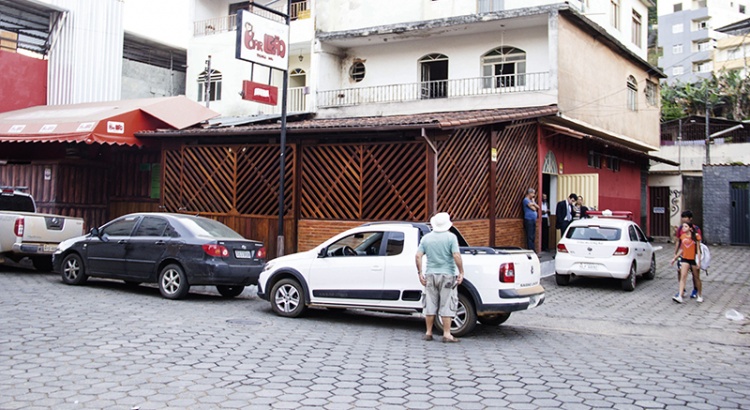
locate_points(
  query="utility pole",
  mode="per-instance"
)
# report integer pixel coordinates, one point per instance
(708, 133)
(207, 82)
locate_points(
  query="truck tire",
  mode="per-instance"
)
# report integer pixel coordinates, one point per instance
(494, 320)
(42, 263)
(465, 320)
(73, 270)
(288, 298)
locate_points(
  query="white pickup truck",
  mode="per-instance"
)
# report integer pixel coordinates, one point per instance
(371, 267)
(25, 233)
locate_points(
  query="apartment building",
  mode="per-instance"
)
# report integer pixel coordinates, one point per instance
(688, 35)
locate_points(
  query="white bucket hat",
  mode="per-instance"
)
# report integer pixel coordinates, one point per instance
(441, 222)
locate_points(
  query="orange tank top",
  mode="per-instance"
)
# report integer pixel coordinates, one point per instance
(689, 247)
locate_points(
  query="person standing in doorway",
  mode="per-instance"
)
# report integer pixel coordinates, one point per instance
(564, 212)
(440, 279)
(545, 223)
(530, 216)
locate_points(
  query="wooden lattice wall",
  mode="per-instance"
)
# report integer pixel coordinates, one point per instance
(516, 169)
(235, 184)
(463, 174)
(385, 181)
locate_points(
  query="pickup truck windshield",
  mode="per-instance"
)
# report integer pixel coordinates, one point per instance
(19, 203)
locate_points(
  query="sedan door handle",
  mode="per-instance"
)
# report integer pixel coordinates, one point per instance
(159, 243)
(122, 241)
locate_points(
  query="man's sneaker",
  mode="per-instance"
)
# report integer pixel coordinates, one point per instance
(699, 299)
(694, 294)
(677, 298)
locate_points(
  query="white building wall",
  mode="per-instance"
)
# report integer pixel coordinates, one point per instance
(85, 61)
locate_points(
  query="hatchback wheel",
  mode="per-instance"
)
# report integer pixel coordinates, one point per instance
(173, 283)
(73, 271)
(629, 282)
(465, 320)
(230, 291)
(652, 270)
(288, 298)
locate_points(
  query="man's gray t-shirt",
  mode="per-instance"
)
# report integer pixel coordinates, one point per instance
(439, 248)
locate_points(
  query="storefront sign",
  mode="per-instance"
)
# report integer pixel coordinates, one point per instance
(262, 41)
(261, 93)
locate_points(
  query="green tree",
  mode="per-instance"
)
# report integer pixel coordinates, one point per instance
(727, 96)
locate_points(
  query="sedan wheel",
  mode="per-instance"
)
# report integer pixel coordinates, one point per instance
(230, 291)
(73, 271)
(288, 298)
(652, 270)
(562, 280)
(173, 283)
(465, 320)
(629, 282)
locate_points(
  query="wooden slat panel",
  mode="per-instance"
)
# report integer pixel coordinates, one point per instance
(463, 172)
(516, 169)
(364, 182)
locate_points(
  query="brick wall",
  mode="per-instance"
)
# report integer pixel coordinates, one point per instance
(312, 232)
(509, 232)
(476, 233)
(717, 203)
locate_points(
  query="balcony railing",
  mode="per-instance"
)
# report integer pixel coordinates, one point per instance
(296, 102)
(223, 24)
(466, 87)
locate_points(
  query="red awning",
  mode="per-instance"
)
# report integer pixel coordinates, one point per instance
(112, 122)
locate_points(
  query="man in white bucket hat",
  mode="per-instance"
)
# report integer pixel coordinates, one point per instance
(440, 280)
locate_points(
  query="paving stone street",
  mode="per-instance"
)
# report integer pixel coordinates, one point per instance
(590, 345)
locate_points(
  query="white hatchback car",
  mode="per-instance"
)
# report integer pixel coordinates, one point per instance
(605, 247)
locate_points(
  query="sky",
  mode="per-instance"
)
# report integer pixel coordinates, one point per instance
(168, 21)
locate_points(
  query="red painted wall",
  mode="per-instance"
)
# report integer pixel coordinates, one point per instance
(23, 81)
(618, 191)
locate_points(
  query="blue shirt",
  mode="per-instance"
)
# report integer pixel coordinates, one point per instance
(529, 213)
(439, 248)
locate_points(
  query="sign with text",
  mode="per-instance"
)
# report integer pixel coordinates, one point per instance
(261, 93)
(262, 41)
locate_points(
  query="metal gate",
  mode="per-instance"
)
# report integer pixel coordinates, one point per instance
(740, 218)
(659, 211)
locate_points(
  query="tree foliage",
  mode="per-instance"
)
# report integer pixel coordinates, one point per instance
(727, 96)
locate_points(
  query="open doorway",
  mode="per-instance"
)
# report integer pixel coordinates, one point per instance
(434, 76)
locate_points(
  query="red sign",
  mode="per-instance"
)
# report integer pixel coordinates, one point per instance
(261, 93)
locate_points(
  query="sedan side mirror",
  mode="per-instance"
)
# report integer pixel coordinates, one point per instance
(650, 238)
(94, 232)
(323, 253)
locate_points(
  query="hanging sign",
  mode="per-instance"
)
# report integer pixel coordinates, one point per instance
(262, 41)
(261, 93)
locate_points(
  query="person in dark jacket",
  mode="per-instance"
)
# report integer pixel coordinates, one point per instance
(564, 213)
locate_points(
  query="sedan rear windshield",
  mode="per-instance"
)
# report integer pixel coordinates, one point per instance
(593, 233)
(209, 228)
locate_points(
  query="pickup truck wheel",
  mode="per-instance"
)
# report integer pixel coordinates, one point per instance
(288, 298)
(173, 283)
(42, 263)
(465, 320)
(494, 320)
(629, 282)
(230, 291)
(73, 270)
(652, 269)
(562, 280)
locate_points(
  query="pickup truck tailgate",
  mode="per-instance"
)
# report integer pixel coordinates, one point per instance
(527, 268)
(46, 228)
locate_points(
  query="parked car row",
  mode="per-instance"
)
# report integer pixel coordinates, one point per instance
(370, 267)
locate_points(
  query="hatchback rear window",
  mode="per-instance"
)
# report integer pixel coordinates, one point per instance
(593, 233)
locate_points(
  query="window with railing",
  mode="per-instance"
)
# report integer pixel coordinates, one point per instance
(504, 67)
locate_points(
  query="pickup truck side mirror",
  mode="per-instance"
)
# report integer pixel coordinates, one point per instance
(323, 253)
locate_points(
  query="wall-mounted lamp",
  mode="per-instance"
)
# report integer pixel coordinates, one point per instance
(301, 58)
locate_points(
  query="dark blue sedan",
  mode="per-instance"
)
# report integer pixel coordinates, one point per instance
(174, 250)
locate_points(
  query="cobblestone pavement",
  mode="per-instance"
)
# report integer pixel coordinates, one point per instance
(591, 345)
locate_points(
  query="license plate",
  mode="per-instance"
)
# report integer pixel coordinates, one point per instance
(587, 266)
(244, 254)
(49, 248)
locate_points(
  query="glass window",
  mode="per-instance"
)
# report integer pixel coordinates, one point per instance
(395, 244)
(677, 49)
(678, 70)
(677, 28)
(632, 94)
(358, 244)
(504, 67)
(677, 7)
(357, 71)
(593, 233)
(151, 226)
(651, 93)
(209, 86)
(636, 34)
(120, 227)
(204, 227)
(633, 235)
(641, 236)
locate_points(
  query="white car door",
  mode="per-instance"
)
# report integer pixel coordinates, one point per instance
(402, 288)
(351, 273)
(639, 250)
(644, 264)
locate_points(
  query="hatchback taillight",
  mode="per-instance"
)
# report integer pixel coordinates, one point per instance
(621, 250)
(507, 273)
(216, 250)
(18, 227)
(561, 248)
(261, 253)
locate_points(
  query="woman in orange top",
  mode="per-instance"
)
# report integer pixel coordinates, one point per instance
(690, 253)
